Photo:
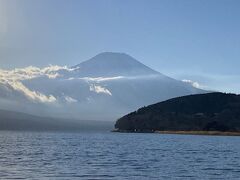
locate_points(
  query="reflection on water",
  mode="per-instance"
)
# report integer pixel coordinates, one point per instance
(117, 156)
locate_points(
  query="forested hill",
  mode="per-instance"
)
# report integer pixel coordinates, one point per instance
(203, 112)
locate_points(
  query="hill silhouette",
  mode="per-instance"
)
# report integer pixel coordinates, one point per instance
(202, 112)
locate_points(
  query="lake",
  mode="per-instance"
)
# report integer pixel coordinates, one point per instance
(105, 155)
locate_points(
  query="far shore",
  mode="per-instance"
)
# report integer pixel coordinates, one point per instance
(210, 133)
(213, 133)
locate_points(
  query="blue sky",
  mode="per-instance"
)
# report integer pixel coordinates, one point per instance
(197, 40)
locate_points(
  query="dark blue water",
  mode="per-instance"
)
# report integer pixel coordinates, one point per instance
(117, 156)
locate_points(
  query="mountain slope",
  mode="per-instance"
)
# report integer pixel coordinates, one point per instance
(105, 87)
(113, 64)
(10, 120)
(204, 112)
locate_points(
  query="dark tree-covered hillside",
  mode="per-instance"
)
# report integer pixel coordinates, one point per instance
(203, 112)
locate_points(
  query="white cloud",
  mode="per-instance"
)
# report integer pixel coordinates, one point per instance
(70, 99)
(32, 72)
(32, 95)
(193, 83)
(99, 89)
(98, 79)
(103, 79)
(14, 79)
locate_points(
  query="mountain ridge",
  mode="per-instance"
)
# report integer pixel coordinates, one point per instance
(95, 89)
(13, 120)
(203, 112)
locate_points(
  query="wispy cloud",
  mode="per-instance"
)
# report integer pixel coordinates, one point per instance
(32, 95)
(100, 89)
(14, 78)
(113, 78)
(193, 83)
(31, 72)
(70, 99)
(213, 82)
(97, 79)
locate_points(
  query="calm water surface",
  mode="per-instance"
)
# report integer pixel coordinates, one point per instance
(55, 155)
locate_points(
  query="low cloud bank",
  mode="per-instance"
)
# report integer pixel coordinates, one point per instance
(14, 79)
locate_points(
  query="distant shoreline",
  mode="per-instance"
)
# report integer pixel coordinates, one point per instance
(210, 133)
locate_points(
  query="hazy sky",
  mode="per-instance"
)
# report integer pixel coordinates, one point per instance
(186, 39)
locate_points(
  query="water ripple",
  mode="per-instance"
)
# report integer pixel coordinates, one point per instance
(32, 155)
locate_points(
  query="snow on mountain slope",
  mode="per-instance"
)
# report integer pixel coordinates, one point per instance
(105, 87)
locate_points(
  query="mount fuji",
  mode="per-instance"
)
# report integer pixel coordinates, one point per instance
(104, 87)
